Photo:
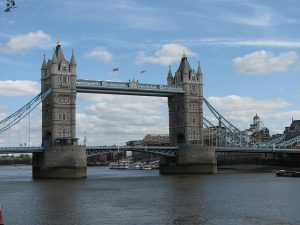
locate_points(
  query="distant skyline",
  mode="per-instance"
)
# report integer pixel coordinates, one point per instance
(248, 51)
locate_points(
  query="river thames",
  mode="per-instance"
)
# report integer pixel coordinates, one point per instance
(135, 197)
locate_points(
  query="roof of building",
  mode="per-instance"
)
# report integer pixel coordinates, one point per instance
(170, 72)
(59, 53)
(54, 58)
(73, 62)
(256, 117)
(44, 65)
(184, 66)
(157, 135)
(199, 71)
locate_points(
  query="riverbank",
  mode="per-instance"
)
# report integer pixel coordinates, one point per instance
(9, 162)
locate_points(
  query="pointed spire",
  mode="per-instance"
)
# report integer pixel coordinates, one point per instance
(44, 63)
(170, 76)
(199, 71)
(184, 66)
(54, 58)
(72, 61)
(59, 54)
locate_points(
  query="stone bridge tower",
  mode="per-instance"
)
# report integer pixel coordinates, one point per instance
(186, 124)
(62, 158)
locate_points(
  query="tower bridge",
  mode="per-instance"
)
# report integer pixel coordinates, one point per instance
(63, 157)
(60, 155)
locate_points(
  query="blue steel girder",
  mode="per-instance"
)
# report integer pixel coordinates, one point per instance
(287, 143)
(164, 151)
(10, 150)
(126, 88)
(226, 136)
(237, 136)
(257, 150)
(96, 150)
(17, 116)
(157, 150)
(273, 143)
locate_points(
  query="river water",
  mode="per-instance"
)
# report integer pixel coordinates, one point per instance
(144, 197)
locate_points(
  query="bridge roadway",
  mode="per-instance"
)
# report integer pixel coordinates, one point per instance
(158, 150)
(126, 88)
(96, 150)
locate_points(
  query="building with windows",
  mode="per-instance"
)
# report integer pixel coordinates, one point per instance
(156, 139)
(257, 130)
(293, 130)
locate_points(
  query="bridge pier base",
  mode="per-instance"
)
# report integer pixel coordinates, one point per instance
(191, 159)
(60, 162)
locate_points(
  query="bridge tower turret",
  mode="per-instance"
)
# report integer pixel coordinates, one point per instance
(62, 156)
(170, 77)
(186, 124)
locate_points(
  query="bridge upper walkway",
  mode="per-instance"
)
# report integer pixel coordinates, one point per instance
(126, 88)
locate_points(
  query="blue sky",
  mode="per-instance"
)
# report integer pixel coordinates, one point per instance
(249, 54)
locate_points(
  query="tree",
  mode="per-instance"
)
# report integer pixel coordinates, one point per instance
(10, 4)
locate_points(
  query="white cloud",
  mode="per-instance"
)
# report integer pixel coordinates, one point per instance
(244, 13)
(255, 20)
(113, 119)
(19, 87)
(236, 102)
(258, 42)
(20, 43)
(240, 111)
(235, 42)
(169, 53)
(100, 54)
(263, 62)
(252, 15)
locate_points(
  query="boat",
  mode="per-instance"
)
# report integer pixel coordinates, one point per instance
(130, 165)
(122, 164)
(287, 173)
(147, 167)
(119, 166)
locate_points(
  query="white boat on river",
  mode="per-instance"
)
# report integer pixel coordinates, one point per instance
(130, 165)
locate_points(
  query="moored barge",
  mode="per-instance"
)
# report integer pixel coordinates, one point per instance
(287, 173)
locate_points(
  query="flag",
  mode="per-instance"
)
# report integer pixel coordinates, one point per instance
(116, 69)
(143, 71)
(1, 219)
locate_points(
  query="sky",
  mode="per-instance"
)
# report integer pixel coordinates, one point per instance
(248, 51)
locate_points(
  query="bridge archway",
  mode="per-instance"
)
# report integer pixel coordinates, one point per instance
(180, 138)
(47, 139)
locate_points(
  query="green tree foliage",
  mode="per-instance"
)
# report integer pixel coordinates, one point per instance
(10, 4)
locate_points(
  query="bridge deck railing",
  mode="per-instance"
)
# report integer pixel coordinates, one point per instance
(128, 88)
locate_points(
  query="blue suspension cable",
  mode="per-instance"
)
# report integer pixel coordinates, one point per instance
(23, 111)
